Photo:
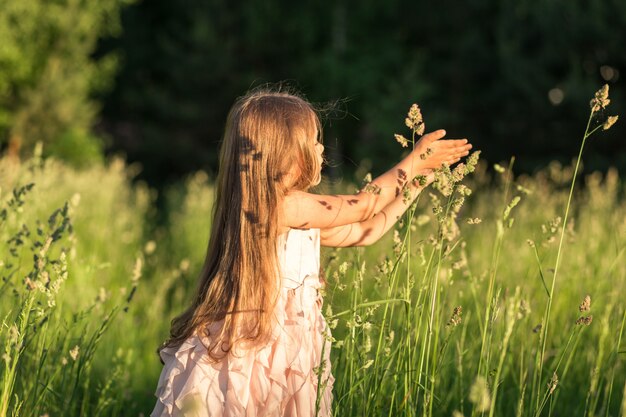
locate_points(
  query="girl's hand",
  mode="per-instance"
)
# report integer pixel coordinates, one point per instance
(431, 152)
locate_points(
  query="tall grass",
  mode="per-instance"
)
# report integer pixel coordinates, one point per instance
(500, 369)
(469, 308)
(63, 273)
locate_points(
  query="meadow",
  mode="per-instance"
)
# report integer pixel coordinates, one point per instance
(496, 295)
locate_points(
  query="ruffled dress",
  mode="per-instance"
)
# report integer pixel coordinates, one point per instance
(290, 376)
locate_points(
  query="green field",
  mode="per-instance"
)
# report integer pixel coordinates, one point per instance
(91, 280)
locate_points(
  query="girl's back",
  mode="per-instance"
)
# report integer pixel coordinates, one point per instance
(276, 379)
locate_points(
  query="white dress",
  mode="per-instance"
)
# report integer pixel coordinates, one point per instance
(279, 379)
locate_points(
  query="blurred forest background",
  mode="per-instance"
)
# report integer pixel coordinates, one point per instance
(153, 80)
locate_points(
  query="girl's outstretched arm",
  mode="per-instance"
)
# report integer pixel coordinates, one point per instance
(369, 231)
(306, 210)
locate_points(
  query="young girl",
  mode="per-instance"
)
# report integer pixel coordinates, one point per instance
(254, 342)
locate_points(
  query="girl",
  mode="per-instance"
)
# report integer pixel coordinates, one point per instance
(254, 342)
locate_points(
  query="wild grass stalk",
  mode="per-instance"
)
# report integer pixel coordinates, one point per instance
(505, 221)
(483, 361)
(510, 320)
(613, 363)
(596, 371)
(598, 104)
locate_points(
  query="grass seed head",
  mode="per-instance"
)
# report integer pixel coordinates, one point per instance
(397, 242)
(74, 352)
(458, 173)
(414, 120)
(600, 99)
(554, 381)
(14, 335)
(457, 265)
(457, 203)
(444, 181)
(402, 140)
(367, 344)
(610, 121)
(372, 189)
(507, 211)
(464, 190)
(406, 194)
(479, 395)
(523, 189)
(30, 285)
(456, 318)
(419, 181)
(472, 160)
(524, 309)
(585, 305)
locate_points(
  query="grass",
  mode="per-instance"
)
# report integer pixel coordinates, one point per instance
(469, 308)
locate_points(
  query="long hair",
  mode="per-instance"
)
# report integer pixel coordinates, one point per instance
(268, 148)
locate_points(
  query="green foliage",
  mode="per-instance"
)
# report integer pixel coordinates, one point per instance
(69, 240)
(389, 359)
(107, 255)
(457, 313)
(48, 73)
(77, 148)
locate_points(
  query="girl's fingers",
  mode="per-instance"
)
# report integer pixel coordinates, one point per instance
(434, 136)
(452, 145)
(456, 153)
(449, 151)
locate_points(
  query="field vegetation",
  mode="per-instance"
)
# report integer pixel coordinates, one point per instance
(497, 295)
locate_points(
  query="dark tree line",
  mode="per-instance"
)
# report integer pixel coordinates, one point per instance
(514, 77)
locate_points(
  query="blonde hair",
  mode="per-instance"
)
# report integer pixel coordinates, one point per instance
(266, 133)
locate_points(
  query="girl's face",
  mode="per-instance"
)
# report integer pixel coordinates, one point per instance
(319, 152)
